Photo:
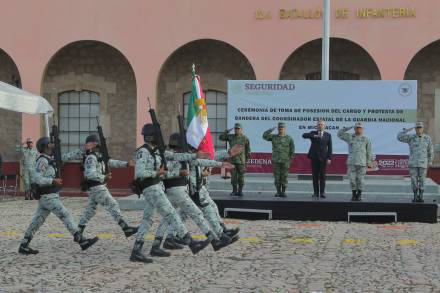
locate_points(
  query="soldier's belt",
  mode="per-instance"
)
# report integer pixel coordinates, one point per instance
(147, 182)
(42, 190)
(93, 183)
(174, 182)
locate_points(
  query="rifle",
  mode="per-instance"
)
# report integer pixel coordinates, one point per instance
(158, 136)
(55, 139)
(184, 145)
(103, 147)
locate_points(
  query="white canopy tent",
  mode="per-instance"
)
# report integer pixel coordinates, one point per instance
(15, 99)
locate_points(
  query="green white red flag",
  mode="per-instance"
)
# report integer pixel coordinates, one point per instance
(198, 133)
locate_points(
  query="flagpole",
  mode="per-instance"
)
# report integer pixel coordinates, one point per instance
(325, 40)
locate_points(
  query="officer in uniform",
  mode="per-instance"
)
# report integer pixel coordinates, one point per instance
(359, 157)
(48, 189)
(28, 156)
(239, 161)
(95, 184)
(176, 187)
(283, 151)
(149, 172)
(421, 155)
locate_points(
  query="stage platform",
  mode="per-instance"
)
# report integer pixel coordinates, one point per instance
(389, 194)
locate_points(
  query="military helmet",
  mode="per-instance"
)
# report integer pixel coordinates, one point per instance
(42, 144)
(174, 140)
(148, 132)
(92, 138)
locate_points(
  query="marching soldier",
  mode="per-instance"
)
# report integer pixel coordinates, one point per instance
(283, 151)
(48, 191)
(239, 161)
(359, 157)
(420, 157)
(95, 184)
(199, 179)
(149, 173)
(176, 187)
(28, 156)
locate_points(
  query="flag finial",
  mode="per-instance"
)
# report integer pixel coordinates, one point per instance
(194, 69)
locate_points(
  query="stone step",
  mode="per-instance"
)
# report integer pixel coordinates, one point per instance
(372, 184)
(338, 196)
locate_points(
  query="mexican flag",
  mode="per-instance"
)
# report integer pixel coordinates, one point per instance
(198, 134)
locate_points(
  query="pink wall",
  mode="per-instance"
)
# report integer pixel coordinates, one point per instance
(147, 32)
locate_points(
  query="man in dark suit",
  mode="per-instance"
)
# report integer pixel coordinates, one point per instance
(320, 153)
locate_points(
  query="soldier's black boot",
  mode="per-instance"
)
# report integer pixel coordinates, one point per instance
(240, 190)
(354, 195)
(416, 195)
(283, 191)
(170, 244)
(156, 250)
(234, 190)
(85, 243)
(195, 246)
(230, 232)
(128, 230)
(223, 241)
(25, 249)
(358, 195)
(136, 253)
(420, 197)
(278, 191)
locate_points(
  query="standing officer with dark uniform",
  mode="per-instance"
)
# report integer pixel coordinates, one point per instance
(320, 154)
(239, 161)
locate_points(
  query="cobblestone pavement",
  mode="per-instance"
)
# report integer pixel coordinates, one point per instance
(272, 256)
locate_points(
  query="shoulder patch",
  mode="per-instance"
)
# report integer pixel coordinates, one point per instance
(42, 165)
(141, 153)
(89, 160)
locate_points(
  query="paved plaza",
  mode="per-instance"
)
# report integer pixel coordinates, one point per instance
(272, 256)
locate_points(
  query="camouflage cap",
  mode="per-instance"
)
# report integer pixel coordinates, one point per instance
(237, 125)
(281, 124)
(419, 125)
(29, 140)
(358, 125)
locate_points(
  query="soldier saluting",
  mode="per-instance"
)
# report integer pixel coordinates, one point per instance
(420, 157)
(239, 161)
(359, 157)
(283, 151)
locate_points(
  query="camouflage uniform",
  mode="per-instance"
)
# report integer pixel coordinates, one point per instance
(239, 161)
(43, 176)
(359, 156)
(210, 210)
(155, 198)
(27, 162)
(283, 151)
(94, 169)
(420, 158)
(181, 201)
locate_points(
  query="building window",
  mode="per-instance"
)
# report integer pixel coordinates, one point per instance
(334, 75)
(77, 118)
(216, 105)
